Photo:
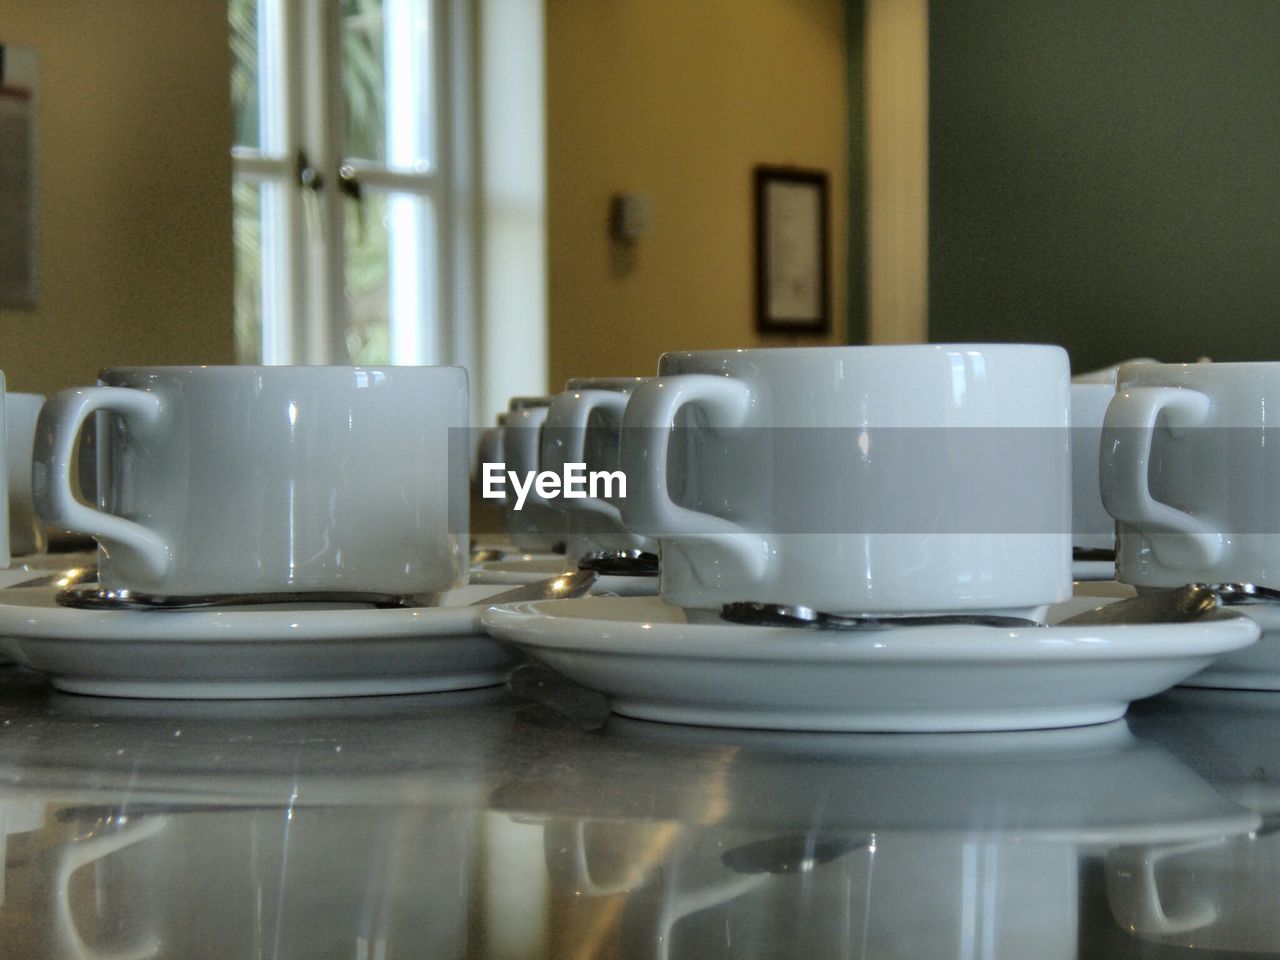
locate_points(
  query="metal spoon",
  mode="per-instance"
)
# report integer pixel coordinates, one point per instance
(1176, 605)
(1233, 594)
(565, 586)
(783, 615)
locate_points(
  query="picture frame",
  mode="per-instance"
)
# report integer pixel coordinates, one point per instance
(792, 218)
(17, 176)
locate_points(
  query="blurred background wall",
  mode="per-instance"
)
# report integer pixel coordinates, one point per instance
(1106, 175)
(1101, 175)
(133, 173)
(680, 100)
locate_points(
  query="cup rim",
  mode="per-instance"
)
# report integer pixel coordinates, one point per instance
(602, 383)
(244, 369)
(871, 349)
(1256, 366)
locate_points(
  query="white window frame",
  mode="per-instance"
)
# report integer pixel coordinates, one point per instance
(487, 188)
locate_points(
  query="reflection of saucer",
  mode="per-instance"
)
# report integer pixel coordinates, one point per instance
(1254, 668)
(516, 571)
(653, 664)
(353, 751)
(283, 651)
(1095, 786)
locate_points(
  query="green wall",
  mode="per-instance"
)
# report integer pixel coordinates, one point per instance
(1105, 174)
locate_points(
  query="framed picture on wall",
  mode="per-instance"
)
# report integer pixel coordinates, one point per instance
(17, 176)
(792, 286)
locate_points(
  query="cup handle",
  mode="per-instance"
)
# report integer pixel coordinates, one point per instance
(1134, 893)
(1125, 459)
(564, 438)
(568, 864)
(57, 429)
(648, 508)
(81, 853)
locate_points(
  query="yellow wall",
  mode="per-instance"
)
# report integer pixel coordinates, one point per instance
(680, 99)
(134, 203)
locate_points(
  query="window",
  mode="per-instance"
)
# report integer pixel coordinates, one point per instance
(360, 188)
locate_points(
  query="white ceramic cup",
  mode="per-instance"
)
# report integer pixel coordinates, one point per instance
(584, 425)
(713, 890)
(26, 532)
(856, 480)
(230, 480)
(1091, 526)
(1190, 470)
(536, 526)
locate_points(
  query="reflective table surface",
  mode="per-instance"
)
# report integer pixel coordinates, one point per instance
(528, 823)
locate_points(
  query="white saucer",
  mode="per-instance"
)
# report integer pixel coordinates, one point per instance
(530, 568)
(1093, 569)
(253, 652)
(653, 664)
(1253, 668)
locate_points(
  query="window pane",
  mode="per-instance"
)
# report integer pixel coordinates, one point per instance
(264, 279)
(243, 18)
(386, 80)
(247, 231)
(391, 281)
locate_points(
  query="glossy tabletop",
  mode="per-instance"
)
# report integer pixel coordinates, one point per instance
(527, 823)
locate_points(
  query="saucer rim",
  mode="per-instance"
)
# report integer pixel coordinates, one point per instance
(45, 622)
(249, 654)
(551, 624)
(920, 679)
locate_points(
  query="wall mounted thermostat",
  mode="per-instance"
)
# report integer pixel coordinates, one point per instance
(631, 216)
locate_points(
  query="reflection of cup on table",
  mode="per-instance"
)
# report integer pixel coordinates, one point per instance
(720, 891)
(227, 480)
(57, 900)
(856, 480)
(914, 895)
(241, 881)
(17, 816)
(1214, 894)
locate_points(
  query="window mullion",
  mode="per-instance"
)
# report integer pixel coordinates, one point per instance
(442, 36)
(321, 330)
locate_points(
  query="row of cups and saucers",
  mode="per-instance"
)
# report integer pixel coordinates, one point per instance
(897, 538)
(850, 538)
